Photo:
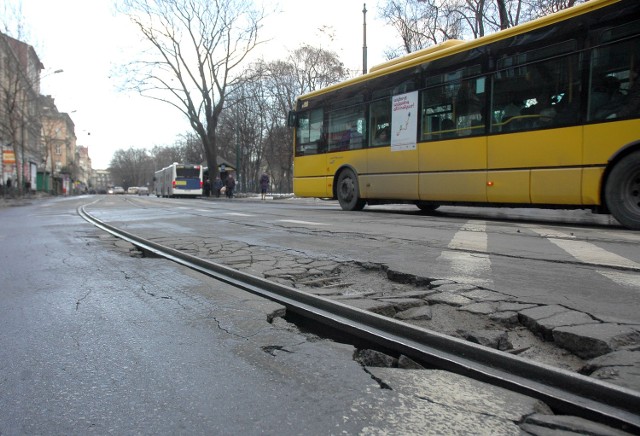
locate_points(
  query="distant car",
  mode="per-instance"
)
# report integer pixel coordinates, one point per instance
(118, 190)
(110, 191)
(132, 190)
(143, 190)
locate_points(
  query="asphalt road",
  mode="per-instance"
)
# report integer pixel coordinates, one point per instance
(97, 340)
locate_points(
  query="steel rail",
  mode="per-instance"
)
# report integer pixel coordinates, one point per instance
(564, 391)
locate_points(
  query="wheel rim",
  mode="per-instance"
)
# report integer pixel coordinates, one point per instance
(347, 189)
(631, 192)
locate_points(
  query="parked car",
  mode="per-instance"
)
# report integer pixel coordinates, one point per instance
(118, 190)
(132, 190)
(143, 190)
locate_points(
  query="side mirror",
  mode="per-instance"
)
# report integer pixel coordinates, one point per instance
(293, 119)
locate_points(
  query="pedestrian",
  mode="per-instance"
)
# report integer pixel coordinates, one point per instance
(206, 187)
(264, 185)
(217, 185)
(231, 183)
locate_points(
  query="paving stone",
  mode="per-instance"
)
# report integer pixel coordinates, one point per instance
(401, 304)
(507, 306)
(537, 423)
(416, 313)
(379, 307)
(569, 318)
(436, 283)
(625, 376)
(622, 367)
(530, 317)
(448, 298)
(456, 287)
(415, 294)
(324, 292)
(508, 319)
(479, 308)
(593, 340)
(484, 295)
(497, 339)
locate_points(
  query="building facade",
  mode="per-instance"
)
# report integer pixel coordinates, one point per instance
(19, 114)
(59, 167)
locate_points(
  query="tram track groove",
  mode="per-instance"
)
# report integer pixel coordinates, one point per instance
(565, 392)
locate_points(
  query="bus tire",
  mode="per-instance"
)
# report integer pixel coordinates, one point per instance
(348, 191)
(622, 192)
(427, 207)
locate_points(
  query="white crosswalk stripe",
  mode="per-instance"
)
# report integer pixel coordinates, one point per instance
(469, 262)
(585, 251)
(468, 257)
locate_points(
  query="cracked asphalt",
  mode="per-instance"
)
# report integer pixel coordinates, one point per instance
(97, 339)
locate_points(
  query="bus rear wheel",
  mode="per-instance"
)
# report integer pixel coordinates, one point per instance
(622, 192)
(348, 191)
(427, 207)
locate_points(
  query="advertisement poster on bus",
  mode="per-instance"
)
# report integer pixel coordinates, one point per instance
(404, 121)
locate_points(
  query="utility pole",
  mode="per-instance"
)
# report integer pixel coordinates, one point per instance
(364, 39)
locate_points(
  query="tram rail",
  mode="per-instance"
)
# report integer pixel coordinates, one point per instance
(565, 392)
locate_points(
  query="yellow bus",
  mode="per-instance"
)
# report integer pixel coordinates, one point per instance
(544, 114)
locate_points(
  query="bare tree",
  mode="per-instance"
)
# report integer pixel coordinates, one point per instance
(131, 167)
(196, 46)
(422, 23)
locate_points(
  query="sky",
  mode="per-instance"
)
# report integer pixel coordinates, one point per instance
(89, 41)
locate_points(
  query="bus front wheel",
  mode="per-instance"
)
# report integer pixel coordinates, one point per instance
(427, 207)
(348, 191)
(622, 192)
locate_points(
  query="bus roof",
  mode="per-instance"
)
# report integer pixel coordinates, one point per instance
(450, 47)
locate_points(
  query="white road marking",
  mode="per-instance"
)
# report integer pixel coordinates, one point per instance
(593, 255)
(585, 251)
(309, 223)
(237, 214)
(469, 267)
(629, 280)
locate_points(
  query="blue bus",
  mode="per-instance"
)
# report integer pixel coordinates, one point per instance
(179, 180)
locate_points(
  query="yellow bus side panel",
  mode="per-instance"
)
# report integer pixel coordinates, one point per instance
(556, 186)
(390, 186)
(601, 141)
(309, 176)
(508, 186)
(458, 186)
(591, 183)
(536, 149)
(311, 187)
(391, 174)
(454, 154)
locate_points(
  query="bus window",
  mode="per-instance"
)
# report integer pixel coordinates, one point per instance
(536, 96)
(614, 91)
(347, 129)
(309, 138)
(454, 109)
(380, 122)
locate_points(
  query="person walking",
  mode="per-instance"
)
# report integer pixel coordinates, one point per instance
(231, 183)
(264, 185)
(217, 186)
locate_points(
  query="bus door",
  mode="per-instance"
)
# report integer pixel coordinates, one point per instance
(453, 154)
(392, 157)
